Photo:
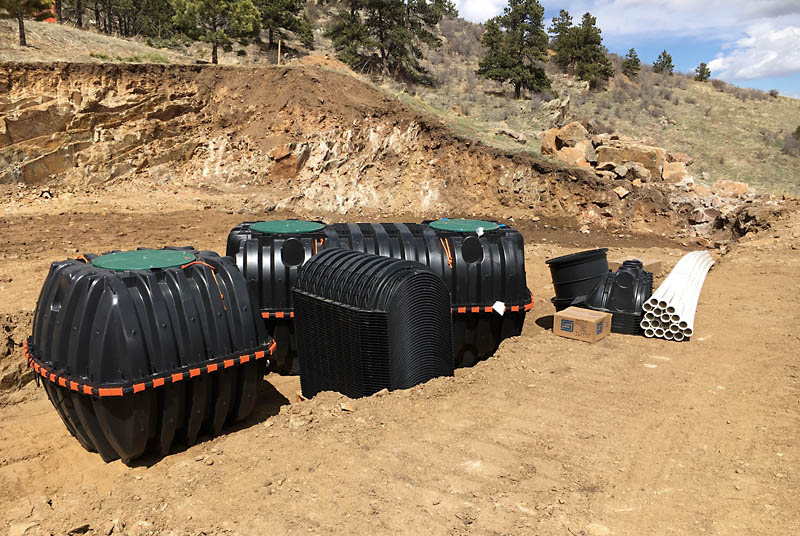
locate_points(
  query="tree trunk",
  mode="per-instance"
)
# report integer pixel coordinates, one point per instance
(97, 21)
(517, 90)
(22, 41)
(109, 18)
(57, 5)
(78, 14)
(214, 58)
(271, 38)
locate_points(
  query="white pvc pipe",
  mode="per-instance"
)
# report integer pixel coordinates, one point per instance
(680, 337)
(649, 333)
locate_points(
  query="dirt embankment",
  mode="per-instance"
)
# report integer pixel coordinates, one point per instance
(300, 138)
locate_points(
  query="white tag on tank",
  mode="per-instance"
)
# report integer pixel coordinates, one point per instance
(499, 307)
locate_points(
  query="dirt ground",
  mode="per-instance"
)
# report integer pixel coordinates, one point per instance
(628, 436)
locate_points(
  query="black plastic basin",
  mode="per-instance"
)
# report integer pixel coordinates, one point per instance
(577, 274)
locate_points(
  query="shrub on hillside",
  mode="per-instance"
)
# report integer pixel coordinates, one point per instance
(718, 84)
(774, 93)
(791, 143)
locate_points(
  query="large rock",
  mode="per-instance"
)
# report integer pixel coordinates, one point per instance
(730, 188)
(574, 156)
(620, 151)
(675, 172)
(549, 145)
(638, 171)
(680, 157)
(571, 134)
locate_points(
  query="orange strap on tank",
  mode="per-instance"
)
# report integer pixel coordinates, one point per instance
(447, 251)
(213, 274)
(317, 244)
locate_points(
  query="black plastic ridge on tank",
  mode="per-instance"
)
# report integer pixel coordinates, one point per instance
(622, 293)
(366, 322)
(479, 271)
(136, 360)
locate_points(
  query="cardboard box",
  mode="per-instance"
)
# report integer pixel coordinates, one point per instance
(582, 324)
(653, 266)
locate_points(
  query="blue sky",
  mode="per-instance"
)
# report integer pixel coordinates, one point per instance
(751, 44)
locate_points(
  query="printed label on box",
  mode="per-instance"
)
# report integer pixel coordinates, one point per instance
(600, 327)
(567, 325)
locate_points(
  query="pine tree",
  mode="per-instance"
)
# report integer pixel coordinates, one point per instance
(216, 21)
(631, 64)
(21, 9)
(702, 72)
(560, 28)
(581, 52)
(388, 35)
(277, 15)
(663, 64)
(517, 47)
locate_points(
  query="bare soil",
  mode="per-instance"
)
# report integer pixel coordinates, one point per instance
(549, 436)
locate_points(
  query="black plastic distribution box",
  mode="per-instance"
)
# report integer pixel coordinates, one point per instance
(365, 323)
(622, 293)
(139, 349)
(481, 262)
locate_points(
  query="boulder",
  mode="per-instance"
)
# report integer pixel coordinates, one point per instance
(621, 192)
(675, 172)
(606, 175)
(549, 145)
(730, 188)
(638, 171)
(621, 170)
(700, 190)
(650, 157)
(680, 157)
(591, 154)
(572, 133)
(606, 166)
(575, 156)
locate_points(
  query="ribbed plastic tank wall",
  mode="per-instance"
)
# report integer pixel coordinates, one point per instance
(480, 262)
(365, 323)
(141, 349)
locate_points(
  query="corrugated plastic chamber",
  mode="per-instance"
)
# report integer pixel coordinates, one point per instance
(141, 349)
(481, 262)
(365, 323)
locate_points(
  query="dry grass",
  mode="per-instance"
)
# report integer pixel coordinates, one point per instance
(732, 133)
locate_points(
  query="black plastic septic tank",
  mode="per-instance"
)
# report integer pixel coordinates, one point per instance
(481, 262)
(365, 323)
(269, 255)
(141, 349)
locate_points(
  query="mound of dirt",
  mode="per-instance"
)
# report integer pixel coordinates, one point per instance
(325, 61)
(302, 139)
(14, 372)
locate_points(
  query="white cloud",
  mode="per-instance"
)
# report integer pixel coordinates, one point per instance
(766, 51)
(479, 11)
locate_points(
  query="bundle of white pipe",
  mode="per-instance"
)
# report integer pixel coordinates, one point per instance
(670, 311)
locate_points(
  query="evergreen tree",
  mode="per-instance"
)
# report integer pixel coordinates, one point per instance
(631, 64)
(277, 15)
(388, 35)
(216, 21)
(21, 9)
(702, 72)
(581, 52)
(517, 47)
(560, 28)
(663, 64)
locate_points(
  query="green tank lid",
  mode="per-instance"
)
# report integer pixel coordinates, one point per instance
(143, 259)
(463, 226)
(287, 227)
